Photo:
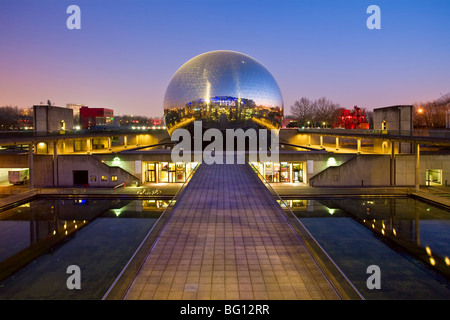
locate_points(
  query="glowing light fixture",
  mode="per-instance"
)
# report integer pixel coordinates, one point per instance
(331, 162)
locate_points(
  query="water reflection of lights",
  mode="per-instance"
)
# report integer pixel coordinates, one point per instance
(158, 204)
(383, 228)
(68, 227)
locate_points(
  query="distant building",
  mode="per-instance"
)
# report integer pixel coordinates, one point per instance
(75, 107)
(289, 123)
(52, 118)
(91, 117)
(157, 122)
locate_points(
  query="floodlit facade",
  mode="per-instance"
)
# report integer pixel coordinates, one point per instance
(225, 90)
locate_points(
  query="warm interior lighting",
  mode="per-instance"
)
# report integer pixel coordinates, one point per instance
(447, 261)
(428, 250)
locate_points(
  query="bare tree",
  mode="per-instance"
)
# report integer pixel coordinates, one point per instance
(303, 111)
(432, 114)
(9, 117)
(320, 112)
(324, 112)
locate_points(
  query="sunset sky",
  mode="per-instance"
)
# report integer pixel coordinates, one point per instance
(126, 52)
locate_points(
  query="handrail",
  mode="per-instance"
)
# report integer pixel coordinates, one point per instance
(123, 281)
(326, 263)
(120, 185)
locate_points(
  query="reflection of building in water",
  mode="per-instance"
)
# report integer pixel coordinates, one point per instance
(150, 205)
(224, 89)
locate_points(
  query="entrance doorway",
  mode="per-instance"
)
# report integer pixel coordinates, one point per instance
(297, 172)
(80, 177)
(433, 177)
(151, 172)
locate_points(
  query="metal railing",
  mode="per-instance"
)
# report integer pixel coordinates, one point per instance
(404, 133)
(339, 280)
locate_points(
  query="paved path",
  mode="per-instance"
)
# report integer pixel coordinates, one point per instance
(227, 240)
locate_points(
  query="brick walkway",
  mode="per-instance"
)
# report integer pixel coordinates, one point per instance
(227, 240)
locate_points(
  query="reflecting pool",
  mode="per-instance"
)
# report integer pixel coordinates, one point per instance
(45, 236)
(409, 240)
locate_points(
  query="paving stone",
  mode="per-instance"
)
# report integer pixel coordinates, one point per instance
(226, 239)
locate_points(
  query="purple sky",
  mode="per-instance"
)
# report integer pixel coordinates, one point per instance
(126, 52)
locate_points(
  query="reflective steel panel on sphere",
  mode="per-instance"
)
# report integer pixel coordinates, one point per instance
(225, 90)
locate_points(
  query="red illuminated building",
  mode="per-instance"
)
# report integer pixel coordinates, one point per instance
(91, 117)
(351, 119)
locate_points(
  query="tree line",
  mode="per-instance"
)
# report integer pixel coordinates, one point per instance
(314, 113)
(432, 114)
(13, 118)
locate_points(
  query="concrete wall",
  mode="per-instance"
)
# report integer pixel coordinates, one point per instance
(397, 118)
(361, 170)
(69, 163)
(405, 166)
(48, 118)
(14, 160)
(43, 170)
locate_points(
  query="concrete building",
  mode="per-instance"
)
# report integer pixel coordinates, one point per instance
(75, 107)
(91, 117)
(397, 120)
(52, 118)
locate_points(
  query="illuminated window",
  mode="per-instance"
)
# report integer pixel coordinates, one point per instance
(104, 178)
(93, 178)
(113, 178)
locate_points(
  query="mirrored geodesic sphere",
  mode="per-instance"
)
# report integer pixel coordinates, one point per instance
(225, 90)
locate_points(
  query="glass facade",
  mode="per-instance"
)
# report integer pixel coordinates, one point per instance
(223, 89)
(168, 172)
(281, 171)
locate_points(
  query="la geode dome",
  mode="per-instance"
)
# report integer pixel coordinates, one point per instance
(224, 89)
